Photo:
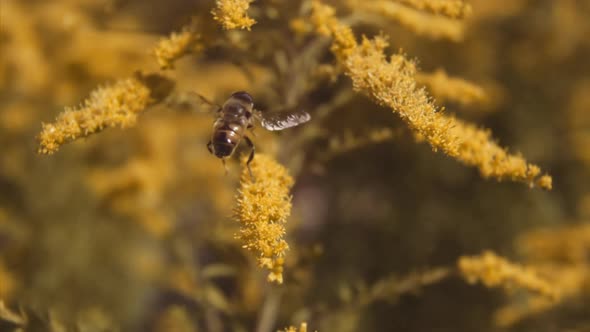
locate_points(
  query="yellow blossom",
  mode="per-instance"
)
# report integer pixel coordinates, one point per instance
(115, 105)
(232, 14)
(263, 206)
(391, 82)
(178, 44)
(495, 271)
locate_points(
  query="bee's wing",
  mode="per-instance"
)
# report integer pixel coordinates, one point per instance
(191, 101)
(283, 120)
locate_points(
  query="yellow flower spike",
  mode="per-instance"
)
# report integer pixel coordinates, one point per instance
(495, 271)
(392, 83)
(444, 87)
(566, 244)
(232, 14)
(178, 44)
(263, 206)
(115, 105)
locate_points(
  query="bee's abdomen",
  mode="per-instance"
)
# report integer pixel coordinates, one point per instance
(226, 136)
(223, 150)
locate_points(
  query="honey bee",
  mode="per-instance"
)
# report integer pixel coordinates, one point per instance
(236, 116)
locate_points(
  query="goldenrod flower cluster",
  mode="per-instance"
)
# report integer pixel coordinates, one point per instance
(232, 14)
(178, 44)
(263, 206)
(495, 271)
(115, 105)
(391, 82)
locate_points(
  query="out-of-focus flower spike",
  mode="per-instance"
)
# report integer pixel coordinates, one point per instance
(170, 49)
(495, 271)
(457, 9)
(233, 14)
(444, 87)
(420, 22)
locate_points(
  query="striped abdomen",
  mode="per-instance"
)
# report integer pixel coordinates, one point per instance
(227, 134)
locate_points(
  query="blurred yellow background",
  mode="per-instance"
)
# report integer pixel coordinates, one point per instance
(134, 228)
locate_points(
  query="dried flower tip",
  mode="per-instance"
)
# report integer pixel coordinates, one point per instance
(494, 271)
(457, 9)
(178, 44)
(114, 105)
(392, 83)
(263, 206)
(421, 23)
(444, 87)
(232, 14)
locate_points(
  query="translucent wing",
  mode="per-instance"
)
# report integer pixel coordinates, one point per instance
(191, 101)
(283, 120)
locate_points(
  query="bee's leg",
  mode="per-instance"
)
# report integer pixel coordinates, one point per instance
(252, 151)
(210, 147)
(224, 166)
(251, 128)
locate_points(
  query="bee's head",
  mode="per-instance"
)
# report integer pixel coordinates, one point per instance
(243, 96)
